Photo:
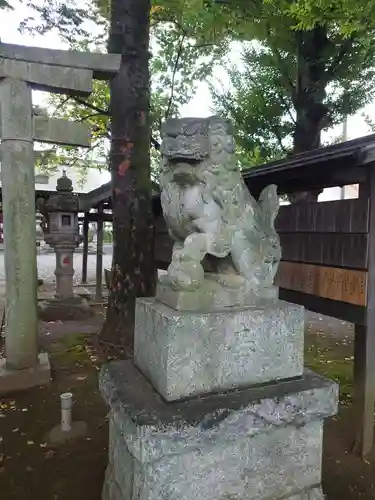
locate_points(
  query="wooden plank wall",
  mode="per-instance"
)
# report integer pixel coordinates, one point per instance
(325, 250)
(330, 234)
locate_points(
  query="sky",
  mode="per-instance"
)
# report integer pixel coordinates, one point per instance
(201, 103)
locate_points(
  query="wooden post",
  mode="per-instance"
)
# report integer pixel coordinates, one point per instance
(364, 345)
(85, 248)
(99, 254)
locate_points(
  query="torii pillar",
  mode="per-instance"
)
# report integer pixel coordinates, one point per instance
(21, 70)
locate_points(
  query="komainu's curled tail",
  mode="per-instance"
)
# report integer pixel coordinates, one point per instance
(256, 249)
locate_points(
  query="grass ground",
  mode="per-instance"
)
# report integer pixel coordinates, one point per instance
(31, 470)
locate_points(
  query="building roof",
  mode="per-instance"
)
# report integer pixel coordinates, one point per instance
(337, 165)
(103, 194)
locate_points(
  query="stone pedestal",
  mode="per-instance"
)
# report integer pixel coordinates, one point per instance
(65, 305)
(216, 406)
(188, 354)
(19, 379)
(74, 308)
(256, 444)
(64, 272)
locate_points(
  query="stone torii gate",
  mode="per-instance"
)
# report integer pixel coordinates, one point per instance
(21, 70)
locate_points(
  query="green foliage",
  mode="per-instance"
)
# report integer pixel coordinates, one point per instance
(258, 107)
(263, 101)
(188, 37)
(5, 5)
(182, 56)
(349, 16)
(75, 26)
(370, 122)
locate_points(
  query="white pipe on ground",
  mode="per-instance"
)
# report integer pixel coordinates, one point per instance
(66, 411)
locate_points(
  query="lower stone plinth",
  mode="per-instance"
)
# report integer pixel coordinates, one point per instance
(218, 292)
(71, 309)
(187, 354)
(255, 444)
(17, 380)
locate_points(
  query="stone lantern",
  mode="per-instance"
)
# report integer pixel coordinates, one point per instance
(61, 232)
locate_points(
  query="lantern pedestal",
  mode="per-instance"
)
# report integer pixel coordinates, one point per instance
(74, 308)
(61, 232)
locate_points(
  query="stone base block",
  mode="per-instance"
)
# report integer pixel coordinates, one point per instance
(57, 436)
(17, 380)
(82, 292)
(74, 309)
(310, 494)
(187, 354)
(256, 444)
(218, 291)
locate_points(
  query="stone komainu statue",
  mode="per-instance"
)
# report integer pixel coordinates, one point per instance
(211, 216)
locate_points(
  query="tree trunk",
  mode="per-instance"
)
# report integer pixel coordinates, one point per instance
(312, 114)
(133, 273)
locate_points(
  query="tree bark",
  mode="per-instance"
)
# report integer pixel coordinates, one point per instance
(312, 114)
(133, 273)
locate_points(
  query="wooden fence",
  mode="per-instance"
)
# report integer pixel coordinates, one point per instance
(325, 256)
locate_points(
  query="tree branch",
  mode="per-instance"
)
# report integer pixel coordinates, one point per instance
(78, 158)
(176, 64)
(90, 115)
(61, 105)
(275, 130)
(282, 98)
(345, 47)
(287, 81)
(279, 140)
(98, 110)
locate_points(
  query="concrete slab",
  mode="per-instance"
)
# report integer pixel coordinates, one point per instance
(17, 380)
